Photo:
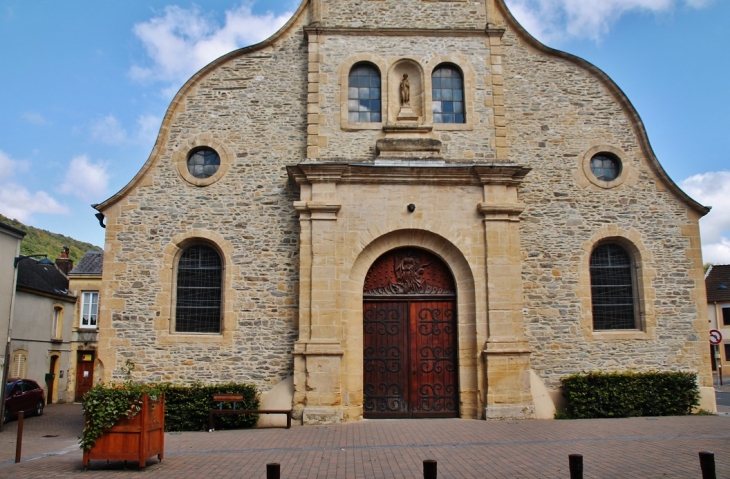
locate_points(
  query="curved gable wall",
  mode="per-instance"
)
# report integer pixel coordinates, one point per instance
(251, 103)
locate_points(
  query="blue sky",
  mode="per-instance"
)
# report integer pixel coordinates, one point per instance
(86, 84)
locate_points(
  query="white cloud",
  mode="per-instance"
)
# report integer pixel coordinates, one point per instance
(108, 130)
(556, 20)
(8, 166)
(18, 203)
(34, 118)
(86, 179)
(181, 41)
(713, 189)
(147, 128)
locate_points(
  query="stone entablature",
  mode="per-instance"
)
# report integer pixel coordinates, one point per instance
(352, 212)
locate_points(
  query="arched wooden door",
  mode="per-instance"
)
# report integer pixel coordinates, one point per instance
(409, 337)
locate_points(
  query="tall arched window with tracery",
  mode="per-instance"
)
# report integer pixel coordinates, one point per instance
(447, 95)
(199, 278)
(613, 288)
(363, 94)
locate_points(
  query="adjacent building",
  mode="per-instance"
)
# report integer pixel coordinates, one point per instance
(41, 329)
(85, 283)
(717, 282)
(402, 208)
(10, 239)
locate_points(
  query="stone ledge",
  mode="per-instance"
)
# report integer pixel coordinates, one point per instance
(501, 412)
(409, 147)
(316, 415)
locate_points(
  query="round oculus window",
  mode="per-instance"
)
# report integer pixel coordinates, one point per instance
(605, 166)
(203, 163)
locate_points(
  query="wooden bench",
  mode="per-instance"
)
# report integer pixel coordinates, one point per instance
(236, 398)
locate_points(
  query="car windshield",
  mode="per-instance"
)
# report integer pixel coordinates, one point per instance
(7, 389)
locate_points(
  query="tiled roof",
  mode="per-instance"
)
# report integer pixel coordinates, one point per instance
(717, 283)
(42, 277)
(91, 263)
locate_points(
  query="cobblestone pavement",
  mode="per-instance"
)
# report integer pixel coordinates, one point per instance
(612, 448)
(55, 432)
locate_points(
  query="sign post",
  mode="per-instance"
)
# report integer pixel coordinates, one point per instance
(715, 340)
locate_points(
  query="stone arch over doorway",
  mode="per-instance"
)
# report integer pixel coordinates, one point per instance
(469, 330)
(410, 366)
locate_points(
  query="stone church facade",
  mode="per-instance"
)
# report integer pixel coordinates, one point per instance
(401, 208)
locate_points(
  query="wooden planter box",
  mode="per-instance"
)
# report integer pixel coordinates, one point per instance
(133, 439)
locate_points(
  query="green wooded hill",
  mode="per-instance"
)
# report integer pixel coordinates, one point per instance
(38, 241)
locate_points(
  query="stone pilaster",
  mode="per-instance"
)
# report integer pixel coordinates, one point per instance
(318, 352)
(496, 101)
(507, 352)
(313, 95)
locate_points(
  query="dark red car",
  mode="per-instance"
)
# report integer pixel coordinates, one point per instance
(23, 395)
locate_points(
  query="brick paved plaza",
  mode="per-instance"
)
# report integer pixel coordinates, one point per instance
(612, 448)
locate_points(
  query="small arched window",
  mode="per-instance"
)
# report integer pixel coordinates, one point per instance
(447, 88)
(199, 277)
(363, 94)
(613, 288)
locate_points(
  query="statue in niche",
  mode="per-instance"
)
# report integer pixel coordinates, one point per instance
(405, 91)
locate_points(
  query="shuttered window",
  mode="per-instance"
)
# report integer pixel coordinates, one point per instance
(20, 361)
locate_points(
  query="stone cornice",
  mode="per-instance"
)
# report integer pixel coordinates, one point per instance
(317, 29)
(317, 210)
(511, 352)
(448, 174)
(493, 212)
(507, 174)
(322, 173)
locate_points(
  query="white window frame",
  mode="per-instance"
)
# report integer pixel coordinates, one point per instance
(721, 319)
(89, 302)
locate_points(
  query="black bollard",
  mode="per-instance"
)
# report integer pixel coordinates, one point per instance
(273, 470)
(19, 440)
(429, 469)
(707, 464)
(576, 466)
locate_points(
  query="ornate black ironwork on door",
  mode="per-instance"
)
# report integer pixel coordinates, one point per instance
(410, 344)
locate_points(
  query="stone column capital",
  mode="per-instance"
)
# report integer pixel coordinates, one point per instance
(501, 212)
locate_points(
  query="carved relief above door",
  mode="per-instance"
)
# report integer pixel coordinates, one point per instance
(410, 343)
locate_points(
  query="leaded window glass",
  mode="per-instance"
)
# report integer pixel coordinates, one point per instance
(612, 288)
(447, 87)
(199, 276)
(605, 167)
(203, 163)
(363, 94)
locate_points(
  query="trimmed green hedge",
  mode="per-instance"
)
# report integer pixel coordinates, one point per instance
(186, 407)
(629, 394)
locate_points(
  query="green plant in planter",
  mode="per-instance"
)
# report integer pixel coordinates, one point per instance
(104, 405)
